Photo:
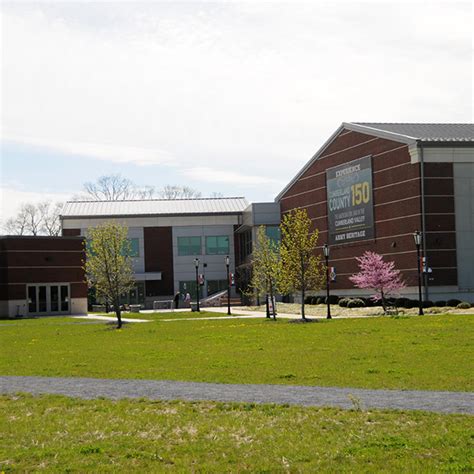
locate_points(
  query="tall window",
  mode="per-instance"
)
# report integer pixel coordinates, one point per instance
(217, 245)
(189, 245)
(134, 247)
(273, 233)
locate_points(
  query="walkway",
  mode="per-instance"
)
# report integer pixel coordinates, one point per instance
(440, 402)
(98, 317)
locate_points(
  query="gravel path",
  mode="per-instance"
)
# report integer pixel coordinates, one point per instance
(441, 402)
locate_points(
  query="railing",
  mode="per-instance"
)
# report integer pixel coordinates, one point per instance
(217, 299)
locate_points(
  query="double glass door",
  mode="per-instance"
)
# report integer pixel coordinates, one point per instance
(48, 299)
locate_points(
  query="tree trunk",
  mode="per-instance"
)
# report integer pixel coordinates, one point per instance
(384, 306)
(267, 306)
(118, 313)
(302, 305)
(273, 302)
(302, 289)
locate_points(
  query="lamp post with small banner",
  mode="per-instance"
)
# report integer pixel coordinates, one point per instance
(227, 264)
(196, 264)
(326, 257)
(417, 238)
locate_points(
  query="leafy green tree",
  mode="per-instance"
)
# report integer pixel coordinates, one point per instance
(301, 268)
(265, 268)
(108, 264)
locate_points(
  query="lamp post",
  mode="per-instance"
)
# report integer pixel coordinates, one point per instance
(326, 257)
(227, 264)
(196, 264)
(417, 238)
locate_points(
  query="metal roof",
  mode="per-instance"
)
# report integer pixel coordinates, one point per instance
(426, 132)
(155, 207)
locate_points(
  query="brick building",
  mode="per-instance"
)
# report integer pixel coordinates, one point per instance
(167, 236)
(42, 276)
(371, 185)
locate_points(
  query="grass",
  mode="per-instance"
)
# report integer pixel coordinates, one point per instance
(59, 434)
(431, 352)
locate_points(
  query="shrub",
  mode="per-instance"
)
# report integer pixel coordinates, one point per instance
(453, 302)
(411, 303)
(314, 300)
(440, 303)
(369, 302)
(320, 300)
(343, 302)
(333, 299)
(401, 302)
(428, 304)
(308, 300)
(355, 303)
(463, 305)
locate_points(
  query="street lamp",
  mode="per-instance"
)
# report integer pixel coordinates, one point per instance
(417, 237)
(326, 257)
(227, 263)
(196, 264)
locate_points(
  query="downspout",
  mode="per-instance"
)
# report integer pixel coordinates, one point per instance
(423, 220)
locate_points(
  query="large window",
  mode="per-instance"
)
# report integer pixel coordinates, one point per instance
(273, 233)
(217, 245)
(214, 286)
(134, 247)
(189, 286)
(189, 245)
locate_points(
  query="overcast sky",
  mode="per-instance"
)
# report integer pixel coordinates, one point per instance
(226, 97)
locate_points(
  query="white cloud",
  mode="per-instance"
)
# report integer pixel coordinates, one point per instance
(113, 153)
(257, 86)
(213, 175)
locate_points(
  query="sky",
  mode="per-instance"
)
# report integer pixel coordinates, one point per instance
(228, 97)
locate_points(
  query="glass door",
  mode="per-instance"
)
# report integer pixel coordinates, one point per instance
(48, 299)
(42, 299)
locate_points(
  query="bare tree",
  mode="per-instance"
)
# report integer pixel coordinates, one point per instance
(35, 219)
(147, 192)
(179, 192)
(17, 225)
(117, 188)
(49, 212)
(110, 188)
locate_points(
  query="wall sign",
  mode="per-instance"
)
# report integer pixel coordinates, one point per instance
(350, 201)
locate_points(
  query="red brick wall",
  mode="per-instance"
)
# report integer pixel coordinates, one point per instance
(440, 223)
(158, 243)
(71, 232)
(397, 202)
(26, 260)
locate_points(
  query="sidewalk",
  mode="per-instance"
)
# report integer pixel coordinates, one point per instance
(347, 398)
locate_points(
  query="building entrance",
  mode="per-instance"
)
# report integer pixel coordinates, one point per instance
(51, 298)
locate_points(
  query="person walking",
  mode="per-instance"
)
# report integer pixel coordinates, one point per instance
(177, 297)
(187, 300)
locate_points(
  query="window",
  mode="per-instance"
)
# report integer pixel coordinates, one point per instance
(214, 286)
(189, 245)
(217, 245)
(189, 286)
(134, 247)
(273, 233)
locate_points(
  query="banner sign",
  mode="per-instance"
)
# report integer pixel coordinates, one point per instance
(350, 201)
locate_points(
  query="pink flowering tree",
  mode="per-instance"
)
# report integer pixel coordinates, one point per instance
(379, 276)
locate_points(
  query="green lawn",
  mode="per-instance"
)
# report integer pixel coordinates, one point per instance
(431, 352)
(59, 434)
